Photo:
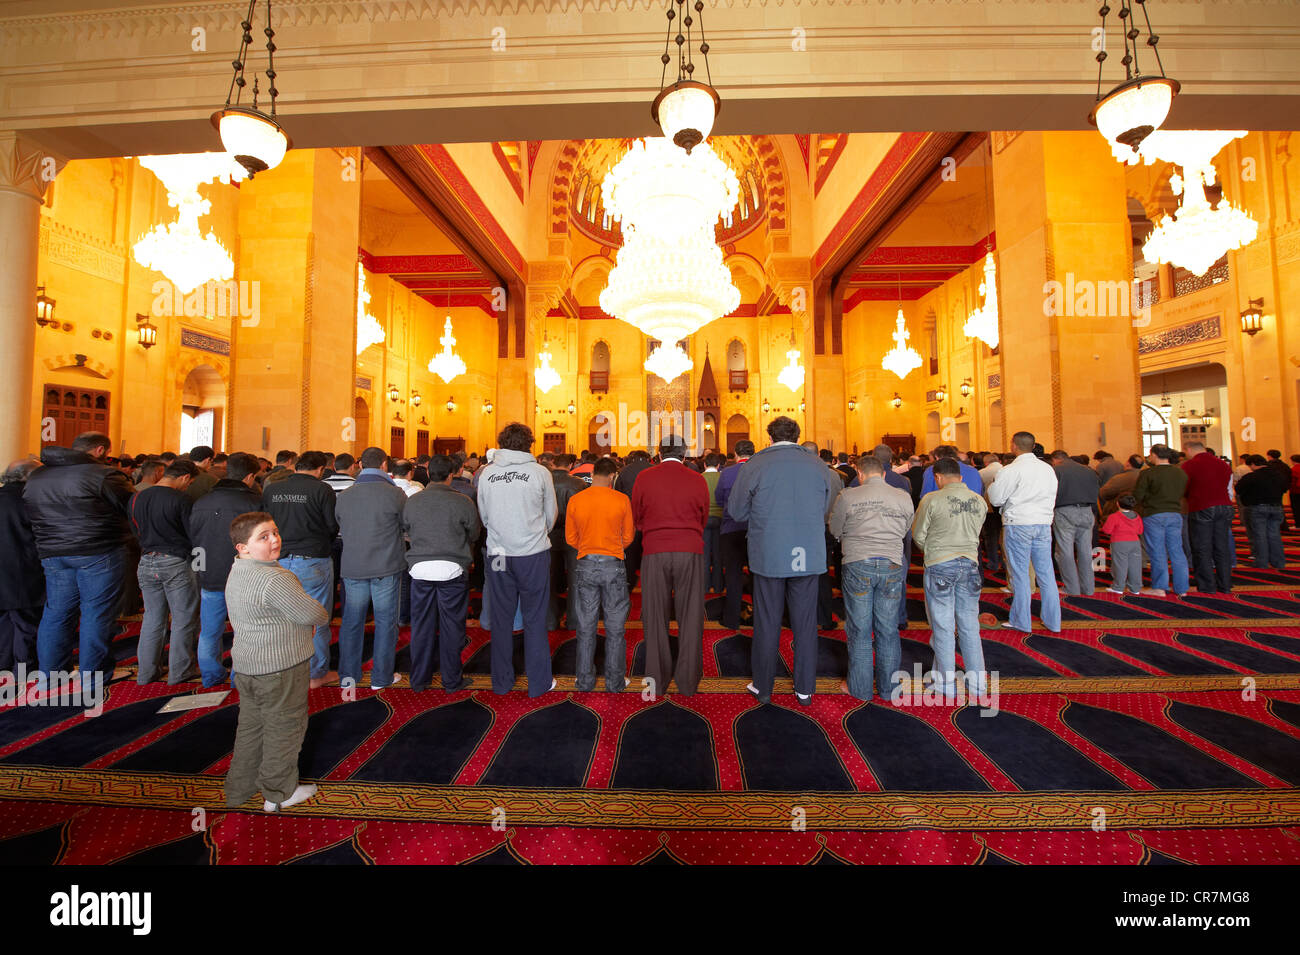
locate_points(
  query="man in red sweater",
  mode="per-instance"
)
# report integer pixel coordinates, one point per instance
(1209, 518)
(670, 504)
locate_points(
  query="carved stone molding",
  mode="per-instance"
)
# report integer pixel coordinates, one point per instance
(25, 167)
(78, 250)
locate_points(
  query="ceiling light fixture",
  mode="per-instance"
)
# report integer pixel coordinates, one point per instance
(686, 110)
(1137, 107)
(902, 359)
(369, 331)
(447, 365)
(792, 374)
(252, 136)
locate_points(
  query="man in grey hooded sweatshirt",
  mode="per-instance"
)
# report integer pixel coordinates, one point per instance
(516, 500)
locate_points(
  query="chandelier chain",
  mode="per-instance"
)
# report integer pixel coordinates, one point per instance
(238, 79)
(1153, 40)
(270, 56)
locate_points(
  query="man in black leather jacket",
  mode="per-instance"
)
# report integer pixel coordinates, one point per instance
(78, 509)
(22, 582)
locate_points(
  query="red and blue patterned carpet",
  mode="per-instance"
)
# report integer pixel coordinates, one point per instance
(1149, 731)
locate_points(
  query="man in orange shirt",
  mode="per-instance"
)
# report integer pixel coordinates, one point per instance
(599, 525)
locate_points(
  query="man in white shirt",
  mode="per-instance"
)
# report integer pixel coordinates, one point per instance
(1025, 493)
(401, 474)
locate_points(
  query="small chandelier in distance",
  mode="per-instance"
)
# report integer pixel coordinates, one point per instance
(544, 375)
(253, 137)
(669, 362)
(447, 365)
(792, 374)
(902, 359)
(369, 331)
(983, 322)
(1197, 235)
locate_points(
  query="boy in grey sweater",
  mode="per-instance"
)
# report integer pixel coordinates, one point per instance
(273, 619)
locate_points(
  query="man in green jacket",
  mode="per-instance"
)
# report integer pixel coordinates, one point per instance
(1159, 493)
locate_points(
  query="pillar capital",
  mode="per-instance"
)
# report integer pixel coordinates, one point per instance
(26, 167)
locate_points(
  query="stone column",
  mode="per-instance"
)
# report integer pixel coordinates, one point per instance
(1069, 349)
(25, 172)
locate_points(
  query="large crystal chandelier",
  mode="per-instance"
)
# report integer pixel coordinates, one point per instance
(1138, 106)
(544, 375)
(252, 136)
(1197, 235)
(902, 359)
(669, 279)
(369, 331)
(447, 364)
(178, 250)
(983, 322)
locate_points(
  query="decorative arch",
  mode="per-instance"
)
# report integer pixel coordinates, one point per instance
(737, 430)
(80, 364)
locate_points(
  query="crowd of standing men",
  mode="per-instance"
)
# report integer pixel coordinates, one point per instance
(558, 539)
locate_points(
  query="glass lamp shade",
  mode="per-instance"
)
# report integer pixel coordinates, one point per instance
(255, 140)
(1134, 109)
(148, 334)
(685, 112)
(44, 307)
(1252, 320)
(897, 400)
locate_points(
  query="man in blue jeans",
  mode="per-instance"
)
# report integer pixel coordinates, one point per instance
(1025, 492)
(303, 506)
(374, 558)
(1159, 494)
(870, 521)
(78, 511)
(947, 527)
(234, 494)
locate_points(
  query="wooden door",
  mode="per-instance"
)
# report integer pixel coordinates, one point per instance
(421, 443)
(397, 443)
(554, 441)
(74, 411)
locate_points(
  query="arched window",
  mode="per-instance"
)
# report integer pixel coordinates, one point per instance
(599, 373)
(737, 370)
(1155, 429)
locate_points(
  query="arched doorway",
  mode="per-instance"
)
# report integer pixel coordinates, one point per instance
(995, 427)
(601, 433)
(931, 431)
(203, 409)
(709, 439)
(361, 417)
(737, 430)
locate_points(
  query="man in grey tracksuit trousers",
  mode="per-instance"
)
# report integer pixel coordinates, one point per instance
(516, 500)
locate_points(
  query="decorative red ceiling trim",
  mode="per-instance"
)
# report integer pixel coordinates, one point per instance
(418, 264)
(885, 275)
(534, 147)
(459, 301)
(804, 143)
(434, 283)
(955, 255)
(446, 167)
(886, 295)
(512, 174)
(885, 172)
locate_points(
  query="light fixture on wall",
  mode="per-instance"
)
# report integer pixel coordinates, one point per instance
(571, 409)
(487, 406)
(393, 393)
(897, 400)
(853, 403)
(369, 331)
(966, 388)
(940, 394)
(1135, 108)
(415, 398)
(803, 406)
(1252, 319)
(44, 307)
(451, 403)
(252, 136)
(146, 332)
(767, 406)
(1207, 417)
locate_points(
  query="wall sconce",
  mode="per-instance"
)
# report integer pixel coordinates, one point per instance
(1252, 319)
(965, 388)
(415, 398)
(897, 400)
(767, 406)
(146, 331)
(1207, 418)
(708, 425)
(1182, 413)
(44, 307)
(393, 393)
(940, 393)
(853, 403)
(487, 406)
(571, 409)
(802, 407)
(451, 403)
